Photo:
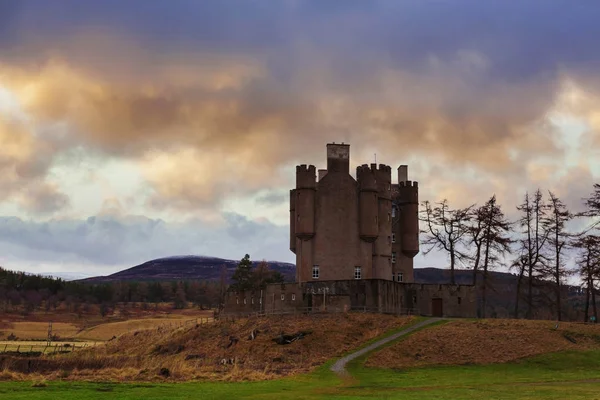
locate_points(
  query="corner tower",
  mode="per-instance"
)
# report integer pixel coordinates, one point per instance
(405, 235)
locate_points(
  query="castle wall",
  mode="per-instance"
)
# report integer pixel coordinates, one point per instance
(374, 295)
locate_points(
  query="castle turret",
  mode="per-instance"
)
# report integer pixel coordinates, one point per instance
(409, 214)
(383, 245)
(306, 186)
(293, 220)
(367, 203)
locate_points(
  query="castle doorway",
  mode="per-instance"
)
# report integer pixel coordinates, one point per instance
(437, 308)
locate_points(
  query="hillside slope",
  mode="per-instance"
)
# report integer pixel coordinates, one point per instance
(197, 352)
(463, 342)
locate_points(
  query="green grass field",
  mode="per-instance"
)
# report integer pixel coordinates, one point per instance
(565, 375)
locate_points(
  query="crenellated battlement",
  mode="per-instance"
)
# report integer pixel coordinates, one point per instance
(305, 168)
(414, 184)
(365, 176)
(306, 176)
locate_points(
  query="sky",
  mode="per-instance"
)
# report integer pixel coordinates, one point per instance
(142, 129)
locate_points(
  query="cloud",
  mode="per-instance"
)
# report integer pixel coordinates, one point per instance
(43, 199)
(25, 161)
(274, 198)
(114, 239)
(221, 105)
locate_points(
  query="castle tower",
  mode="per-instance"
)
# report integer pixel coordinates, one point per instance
(367, 201)
(343, 228)
(304, 224)
(293, 220)
(383, 245)
(406, 227)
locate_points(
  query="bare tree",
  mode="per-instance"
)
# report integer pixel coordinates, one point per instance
(532, 241)
(476, 233)
(593, 203)
(495, 239)
(558, 240)
(447, 231)
(588, 264)
(520, 263)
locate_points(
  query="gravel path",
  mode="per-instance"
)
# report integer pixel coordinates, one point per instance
(340, 365)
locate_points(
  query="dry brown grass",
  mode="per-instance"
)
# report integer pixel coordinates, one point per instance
(97, 329)
(484, 342)
(194, 352)
(107, 331)
(38, 330)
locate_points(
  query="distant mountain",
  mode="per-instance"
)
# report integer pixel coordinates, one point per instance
(209, 268)
(188, 268)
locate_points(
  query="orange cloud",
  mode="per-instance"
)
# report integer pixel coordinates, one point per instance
(200, 136)
(24, 163)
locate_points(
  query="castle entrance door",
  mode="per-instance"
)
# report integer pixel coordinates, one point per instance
(437, 308)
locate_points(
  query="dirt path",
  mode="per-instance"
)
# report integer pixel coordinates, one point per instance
(340, 365)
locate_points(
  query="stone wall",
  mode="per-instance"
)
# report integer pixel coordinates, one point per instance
(375, 295)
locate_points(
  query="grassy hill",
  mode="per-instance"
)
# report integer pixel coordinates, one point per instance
(458, 359)
(196, 351)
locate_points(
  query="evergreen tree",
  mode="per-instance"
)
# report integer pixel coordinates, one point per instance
(242, 277)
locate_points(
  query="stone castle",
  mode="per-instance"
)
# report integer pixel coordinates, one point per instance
(342, 228)
(355, 241)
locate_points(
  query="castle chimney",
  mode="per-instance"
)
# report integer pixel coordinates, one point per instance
(402, 173)
(338, 158)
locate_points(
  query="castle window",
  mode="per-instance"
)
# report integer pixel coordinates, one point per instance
(283, 297)
(393, 277)
(393, 238)
(293, 297)
(252, 300)
(459, 299)
(237, 301)
(394, 212)
(414, 299)
(393, 257)
(357, 272)
(400, 277)
(315, 271)
(244, 300)
(389, 186)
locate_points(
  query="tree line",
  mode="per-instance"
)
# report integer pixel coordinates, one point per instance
(540, 246)
(23, 292)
